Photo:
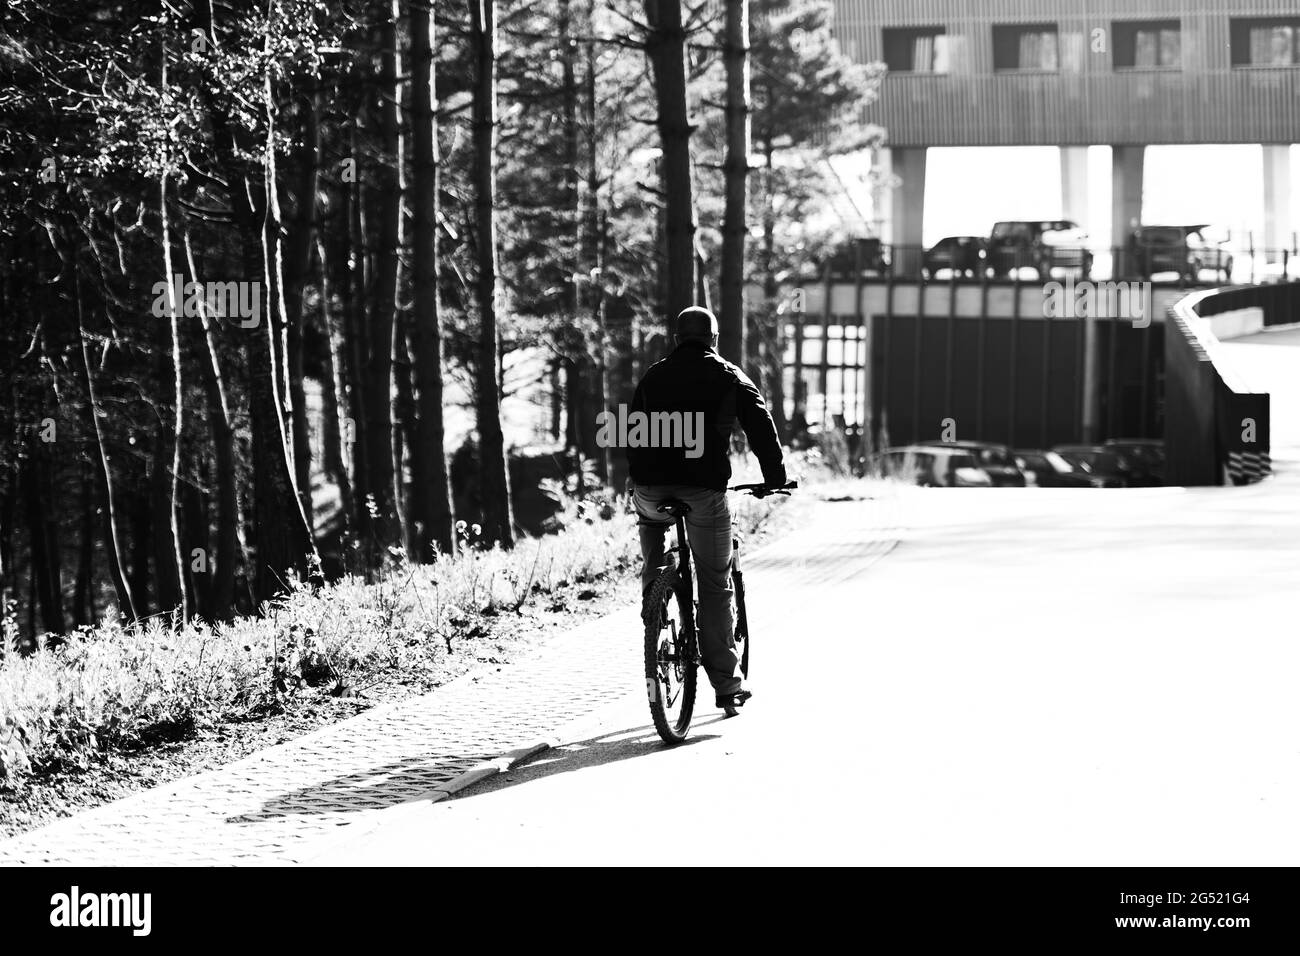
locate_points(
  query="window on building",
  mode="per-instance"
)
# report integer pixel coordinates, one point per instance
(1260, 41)
(917, 50)
(1026, 47)
(1147, 45)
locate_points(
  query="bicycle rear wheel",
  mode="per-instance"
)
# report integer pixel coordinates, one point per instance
(671, 657)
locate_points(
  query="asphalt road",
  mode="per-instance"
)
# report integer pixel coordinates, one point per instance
(1029, 677)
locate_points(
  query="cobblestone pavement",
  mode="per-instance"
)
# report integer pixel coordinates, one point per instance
(271, 807)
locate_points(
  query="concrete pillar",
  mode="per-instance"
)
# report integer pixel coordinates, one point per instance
(1277, 201)
(1074, 184)
(907, 207)
(1088, 405)
(1125, 199)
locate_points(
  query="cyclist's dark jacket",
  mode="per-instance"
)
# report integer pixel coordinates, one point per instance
(695, 378)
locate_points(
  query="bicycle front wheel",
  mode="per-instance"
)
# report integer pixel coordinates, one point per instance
(671, 657)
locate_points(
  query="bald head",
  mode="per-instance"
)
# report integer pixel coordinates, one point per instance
(696, 324)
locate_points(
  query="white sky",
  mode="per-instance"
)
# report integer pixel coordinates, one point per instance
(968, 189)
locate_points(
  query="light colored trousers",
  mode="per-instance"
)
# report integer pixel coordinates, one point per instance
(708, 529)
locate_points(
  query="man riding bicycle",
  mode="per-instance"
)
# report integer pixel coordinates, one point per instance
(696, 380)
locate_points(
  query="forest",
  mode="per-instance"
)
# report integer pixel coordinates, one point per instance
(273, 274)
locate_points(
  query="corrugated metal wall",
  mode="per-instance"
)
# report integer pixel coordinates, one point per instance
(1207, 101)
(984, 355)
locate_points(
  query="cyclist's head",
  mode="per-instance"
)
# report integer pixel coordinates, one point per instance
(696, 324)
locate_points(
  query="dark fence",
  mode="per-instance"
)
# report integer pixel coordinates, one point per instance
(892, 359)
(1216, 429)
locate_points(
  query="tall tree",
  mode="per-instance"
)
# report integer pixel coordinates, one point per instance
(498, 524)
(597, 233)
(731, 313)
(298, 257)
(112, 536)
(282, 536)
(166, 463)
(431, 491)
(221, 593)
(666, 49)
(382, 327)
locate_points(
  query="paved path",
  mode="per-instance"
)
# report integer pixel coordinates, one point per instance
(262, 809)
(277, 805)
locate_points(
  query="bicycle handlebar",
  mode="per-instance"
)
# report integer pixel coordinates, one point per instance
(761, 490)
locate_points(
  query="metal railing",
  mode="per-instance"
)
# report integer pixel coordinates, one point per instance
(1176, 266)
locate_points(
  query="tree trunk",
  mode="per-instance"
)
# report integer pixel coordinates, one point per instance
(494, 476)
(773, 323)
(404, 415)
(83, 593)
(221, 592)
(167, 434)
(338, 407)
(731, 313)
(298, 254)
(284, 537)
(574, 340)
(196, 522)
(666, 46)
(382, 484)
(355, 260)
(7, 636)
(138, 521)
(166, 459)
(43, 536)
(403, 435)
(619, 319)
(556, 393)
(117, 562)
(431, 513)
(597, 237)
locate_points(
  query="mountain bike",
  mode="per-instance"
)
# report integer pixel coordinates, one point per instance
(672, 653)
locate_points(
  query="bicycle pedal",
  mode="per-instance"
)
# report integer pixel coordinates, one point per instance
(733, 701)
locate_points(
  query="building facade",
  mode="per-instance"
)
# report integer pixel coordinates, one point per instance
(1080, 72)
(1077, 73)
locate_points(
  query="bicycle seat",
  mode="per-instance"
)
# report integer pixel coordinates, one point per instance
(674, 507)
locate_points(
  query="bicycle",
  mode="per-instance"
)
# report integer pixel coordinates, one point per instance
(672, 654)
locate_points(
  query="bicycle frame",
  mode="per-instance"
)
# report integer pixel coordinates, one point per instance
(685, 579)
(742, 617)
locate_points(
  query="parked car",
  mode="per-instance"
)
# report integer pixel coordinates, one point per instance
(1048, 469)
(1148, 456)
(964, 255)
(1186, 250)
(933, 467)
(1043, 245)
(996, 460)
(1101, 461)
(867, 254)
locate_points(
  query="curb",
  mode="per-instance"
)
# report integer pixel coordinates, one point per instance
(484, 770)
(489, 768)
